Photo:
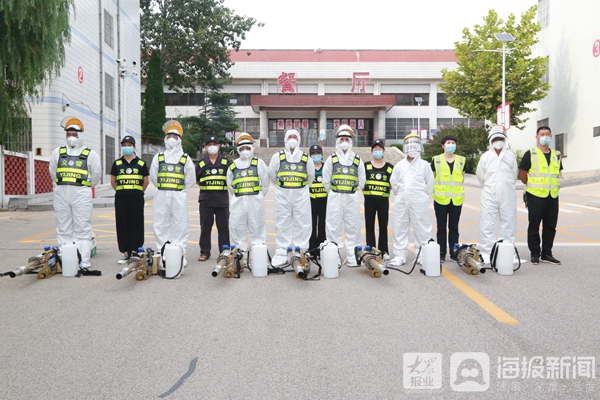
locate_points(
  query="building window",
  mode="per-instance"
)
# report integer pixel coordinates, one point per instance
(109, 156)
(544, 13)
(185, 99)
(543, 122)
(560, 143)
(596, 131)
(241, 99)
(398, 128)
(250, 126)
(108, 30)
(443, 123)
(442, 99)
(408, 99)
(109, 91)
(546, 76)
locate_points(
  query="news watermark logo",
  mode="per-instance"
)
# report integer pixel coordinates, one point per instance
(422, 370)
(469, 372)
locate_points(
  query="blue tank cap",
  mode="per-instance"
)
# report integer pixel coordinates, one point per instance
(297, 248)
(232, 246)
(289, 248)
(148, 248)
(367, 247)
(359, 247)
(225, 247)
(55, 247)
(46, 248)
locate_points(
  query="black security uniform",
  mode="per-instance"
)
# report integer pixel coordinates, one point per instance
(214, 201)
(377, 202)
(129, 203)
(318, 206)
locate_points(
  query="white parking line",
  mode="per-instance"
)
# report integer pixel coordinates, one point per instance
(586, 207)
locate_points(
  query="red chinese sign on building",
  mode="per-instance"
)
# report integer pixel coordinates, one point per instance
(361, 124)
(336, 123)
(353, 123)
(286, 82)
(288, 124)
(280, 125)
(304, 124)
(344, 122)
(296, 124)
(359, 78)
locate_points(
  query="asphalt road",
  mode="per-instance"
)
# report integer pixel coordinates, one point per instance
(531, 335)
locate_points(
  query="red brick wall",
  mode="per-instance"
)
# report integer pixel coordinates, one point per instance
(15, 175)
(43, 182)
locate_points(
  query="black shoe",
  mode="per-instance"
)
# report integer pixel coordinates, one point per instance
(442, 258)
(550, 260)
(454, 258)
(535, 260)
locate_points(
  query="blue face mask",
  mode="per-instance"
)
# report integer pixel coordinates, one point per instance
(451, 148)
(378, 154)
(545, 140)
(317, 158)
(127, 151)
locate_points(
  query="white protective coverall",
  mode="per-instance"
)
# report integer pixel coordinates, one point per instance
(247, 213)
(412, 183)
(497, 174)
(343, 209)
(73, 205)
(170, 208)
(292, 212)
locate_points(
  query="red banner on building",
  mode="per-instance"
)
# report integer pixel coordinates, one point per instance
(361, 124)
(280, 125)
(353, 123)
(344, 122)
(296, 124)
(304, 124)
(336, 123)
(288, 124)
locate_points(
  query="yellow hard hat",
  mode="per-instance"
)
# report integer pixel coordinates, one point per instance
(72, 123)
(173, 127)
(412, 135)
(244, 139)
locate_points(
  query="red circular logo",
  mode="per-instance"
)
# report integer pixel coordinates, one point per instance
(80, 74)
(596, 49)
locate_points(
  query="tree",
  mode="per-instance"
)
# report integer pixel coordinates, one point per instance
(34, 34)
(470, 143)
(194, 38)
(154, 114)
(475, 87)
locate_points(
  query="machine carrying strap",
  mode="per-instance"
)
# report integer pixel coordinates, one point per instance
(163, 274)
(85, 271)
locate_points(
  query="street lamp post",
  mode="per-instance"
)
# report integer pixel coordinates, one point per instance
(504, 38)
(419, 100)
(124, 73)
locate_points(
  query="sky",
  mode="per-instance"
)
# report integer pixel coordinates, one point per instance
(366, 24)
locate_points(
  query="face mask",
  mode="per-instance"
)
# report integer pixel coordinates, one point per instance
(317, 158)
(451, 148)
(378, 154)
(171, 143)
(72, 141)
(345, 145)
(292, 143)
(212, 150)
(498, 145)
(413, 154)
(245, 154)
(545, 140)
(127, 151)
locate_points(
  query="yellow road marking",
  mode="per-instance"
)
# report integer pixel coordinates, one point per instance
(487, 305)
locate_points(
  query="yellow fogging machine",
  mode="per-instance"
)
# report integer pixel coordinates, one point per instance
(300, 261)
(469, 258)
(46, 265)
(372, 259)
(143, 263)
(230, 262)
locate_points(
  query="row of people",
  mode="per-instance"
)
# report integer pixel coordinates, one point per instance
(306, 186)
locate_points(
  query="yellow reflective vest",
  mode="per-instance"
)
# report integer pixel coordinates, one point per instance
(130, 177)
(449, 186)
(171, 176)
(542, 179)
(73, 170)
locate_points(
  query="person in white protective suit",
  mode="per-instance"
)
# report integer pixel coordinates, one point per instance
(248, 183)
(292, 172)
(497, 173)
(412, 182)
(343, 174)
(173, 174)
(74, 170)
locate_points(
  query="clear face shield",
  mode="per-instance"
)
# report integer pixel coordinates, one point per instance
(411, 145)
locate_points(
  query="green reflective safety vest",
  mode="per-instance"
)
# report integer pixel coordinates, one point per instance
(213, 177)
(130, 177)
(245, 180)
(292, 175)
(344, 179)
(317, 190)
(378, 182)
(449, 186)
(542, 179)
(171, 176)
(73, 170)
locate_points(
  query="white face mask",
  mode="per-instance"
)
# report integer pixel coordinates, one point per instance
(345, 145)
(498, 145)
(292, 143)
(212, 150)
(413, 154)
(171, 143)
(246, 154)
(72, 141)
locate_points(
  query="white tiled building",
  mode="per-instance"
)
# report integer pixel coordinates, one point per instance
(374, 91)
(570, 39)
(89, 86)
